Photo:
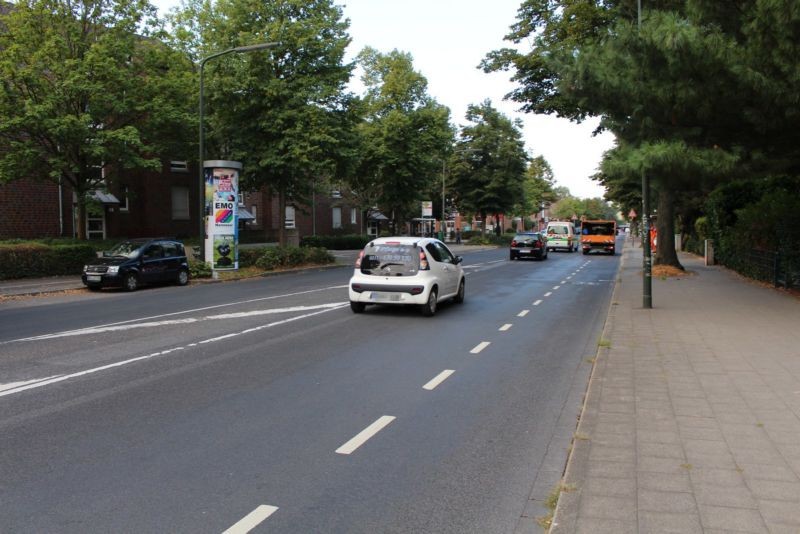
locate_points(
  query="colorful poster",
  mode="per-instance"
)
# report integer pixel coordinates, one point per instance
(225, 252)
(221, 211)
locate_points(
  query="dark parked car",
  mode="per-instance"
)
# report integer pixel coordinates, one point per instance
(528, 244)
(136, 262)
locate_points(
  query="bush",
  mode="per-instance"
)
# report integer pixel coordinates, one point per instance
(249, 256)
(199, 269)
(28, 259)
(336, 242)
(283, 257)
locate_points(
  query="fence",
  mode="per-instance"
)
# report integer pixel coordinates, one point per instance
(768, 266)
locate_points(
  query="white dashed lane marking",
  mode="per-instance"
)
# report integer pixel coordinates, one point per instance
(365, 434)
(536, 303)
(523, 313)
(480, 346)
(548, 294)
(438, 379)
(505, 327)
(252, 520)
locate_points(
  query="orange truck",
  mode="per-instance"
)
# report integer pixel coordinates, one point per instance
(599, 235)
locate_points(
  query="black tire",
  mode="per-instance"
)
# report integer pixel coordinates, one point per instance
(183, 277)
(459, 298)
(130, 282)
(585, 252)
(94, 288)
(357, 307)
(429, 308)
(511, 256)
(613, 252)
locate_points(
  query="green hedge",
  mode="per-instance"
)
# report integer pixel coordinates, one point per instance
(336, 242)
(30, 260)
(282, 257)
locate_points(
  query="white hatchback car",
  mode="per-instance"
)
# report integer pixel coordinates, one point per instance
(406, 270)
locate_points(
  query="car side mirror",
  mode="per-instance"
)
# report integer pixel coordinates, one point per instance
(459, 259)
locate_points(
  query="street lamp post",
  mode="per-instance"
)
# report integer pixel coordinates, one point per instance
(238, 49)
(647, 263)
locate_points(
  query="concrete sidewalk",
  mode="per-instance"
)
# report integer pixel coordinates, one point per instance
(692, 416)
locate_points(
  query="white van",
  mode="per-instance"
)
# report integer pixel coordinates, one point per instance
(561, 235)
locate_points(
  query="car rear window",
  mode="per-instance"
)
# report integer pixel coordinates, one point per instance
(560, 230)
(390, 260)
(526, 238)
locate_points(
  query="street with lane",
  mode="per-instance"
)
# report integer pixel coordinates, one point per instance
(266, 405)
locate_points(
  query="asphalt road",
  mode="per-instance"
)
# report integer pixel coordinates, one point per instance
(267, 404)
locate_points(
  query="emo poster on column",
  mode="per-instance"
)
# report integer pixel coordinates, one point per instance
(222, 188)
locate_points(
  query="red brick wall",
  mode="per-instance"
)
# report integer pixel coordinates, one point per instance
(29, 209)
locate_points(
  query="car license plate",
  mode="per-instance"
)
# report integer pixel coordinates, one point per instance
(376, 295)
(93, 277)
(525, 250)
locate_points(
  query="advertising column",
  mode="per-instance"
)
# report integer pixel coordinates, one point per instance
(222, 218)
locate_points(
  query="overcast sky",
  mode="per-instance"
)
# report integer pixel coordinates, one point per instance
(447, 39)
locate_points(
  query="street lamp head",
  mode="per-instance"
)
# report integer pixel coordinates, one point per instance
(250, 48)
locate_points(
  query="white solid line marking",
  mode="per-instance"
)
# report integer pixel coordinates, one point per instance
(441, 377)
(480, 346)
(81, 330)
(523, 313)
(61, 378)
(548, 294)
(365, 434)
(555, 287)
(537, 302)
(505, 327)
(252, 520)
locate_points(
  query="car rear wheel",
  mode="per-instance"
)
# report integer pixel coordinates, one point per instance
(459, 298)
(357, 307)
(131, 282)
(429, 308)
(511, 256)
(183, 277)
(93, 288)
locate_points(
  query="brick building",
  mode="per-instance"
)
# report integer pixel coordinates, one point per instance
(145, 203)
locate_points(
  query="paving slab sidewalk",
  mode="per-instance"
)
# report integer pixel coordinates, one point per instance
(692, 416)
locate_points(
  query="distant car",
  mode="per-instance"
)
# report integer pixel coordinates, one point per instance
(561, 235)
(135, 262)
(406, 270)
(528, 244)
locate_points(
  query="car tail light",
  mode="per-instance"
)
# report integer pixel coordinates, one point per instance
(417, 290)
(513, 243)
(358, 260)
(423, 261)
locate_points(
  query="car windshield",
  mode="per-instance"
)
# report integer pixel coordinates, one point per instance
(128, 249)
(390, 260)
(560, 230)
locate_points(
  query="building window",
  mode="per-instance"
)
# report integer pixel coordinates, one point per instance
(178, 166)
(289, 217)
(240, 198)
(353, 213)
(180, 203)
(254, 212)
(337, 217)
(335, 193)
(123, 198)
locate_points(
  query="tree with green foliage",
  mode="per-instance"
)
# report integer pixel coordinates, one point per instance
(490, 176)
(88, 91)
(657, 88)
(403, 136)
(537, 188)
(284, 112)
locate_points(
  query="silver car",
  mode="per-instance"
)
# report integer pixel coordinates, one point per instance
(406, 270)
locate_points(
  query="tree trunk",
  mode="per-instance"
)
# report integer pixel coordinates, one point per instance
(665, 253)
(81, 222)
